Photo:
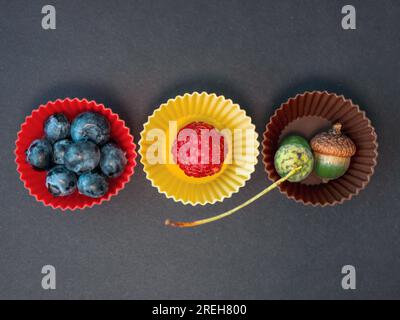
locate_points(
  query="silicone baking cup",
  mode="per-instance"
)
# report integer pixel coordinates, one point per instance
(310, 113)
(32, 129)
(221, 113)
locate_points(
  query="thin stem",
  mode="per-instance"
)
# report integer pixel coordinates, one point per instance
(228, 213)
(337, 127)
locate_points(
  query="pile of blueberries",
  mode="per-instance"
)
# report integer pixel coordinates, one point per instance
(77, 155)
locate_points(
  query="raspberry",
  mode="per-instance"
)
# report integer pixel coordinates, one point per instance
(196, 164)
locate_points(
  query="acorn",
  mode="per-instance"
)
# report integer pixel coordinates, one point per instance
(294, 151)
(332, 152)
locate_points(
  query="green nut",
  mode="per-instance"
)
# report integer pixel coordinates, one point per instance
(291, 156)
(330, 167)
(295, 139)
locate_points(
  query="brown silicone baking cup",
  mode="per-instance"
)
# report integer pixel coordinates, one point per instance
(308, 114)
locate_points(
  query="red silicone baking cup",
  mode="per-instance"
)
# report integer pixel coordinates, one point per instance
(32, 129)
(308, 114)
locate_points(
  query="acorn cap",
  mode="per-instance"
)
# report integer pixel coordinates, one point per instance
(333, 143)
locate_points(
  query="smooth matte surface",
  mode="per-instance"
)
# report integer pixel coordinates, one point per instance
(134, 55)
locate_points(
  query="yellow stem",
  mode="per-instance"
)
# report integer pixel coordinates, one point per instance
(228, 213)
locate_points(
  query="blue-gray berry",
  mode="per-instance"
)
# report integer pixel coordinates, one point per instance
(57, 127)
(82, 157)
(92, 184)
(112, 160)
(39, 154)
(60, 181)
(90, 126)
(59, 149)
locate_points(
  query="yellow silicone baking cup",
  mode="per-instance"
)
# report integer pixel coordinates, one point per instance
(218, 111)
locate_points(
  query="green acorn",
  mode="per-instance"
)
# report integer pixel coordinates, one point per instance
(293, 152)
(332, 151)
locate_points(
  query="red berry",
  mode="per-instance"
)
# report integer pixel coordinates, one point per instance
(188, 153)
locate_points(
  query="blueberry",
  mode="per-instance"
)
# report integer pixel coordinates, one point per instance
(39, 154)
(112, 160)
(59, 149)
(82, 157)
(90, 126)
(92, 184)
(57, 127)
(60, 181)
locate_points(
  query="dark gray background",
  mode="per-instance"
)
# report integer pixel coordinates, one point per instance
(134, 55)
